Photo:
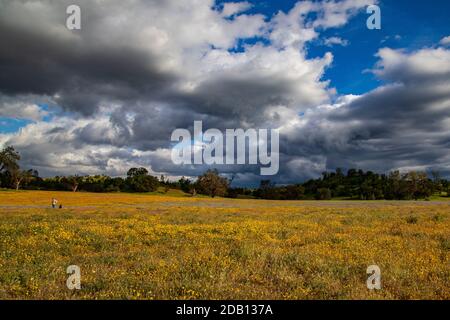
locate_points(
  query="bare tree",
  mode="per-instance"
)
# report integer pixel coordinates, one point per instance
(74, 182)
(20, 177)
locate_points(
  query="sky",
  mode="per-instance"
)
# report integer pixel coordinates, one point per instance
(107, 97)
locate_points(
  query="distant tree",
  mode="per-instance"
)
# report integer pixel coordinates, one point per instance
(185, 184)
(134, 172)
(114, 184)
(9, 165)
(293, 192)
(437, 182)
(9, 159)
(323, 194)
(20, 177)
(267, 190)
(139, 180)
(95, 183)
(74, 182)
(241, 192)
(210, 183)
(419, 186)
(165, 183)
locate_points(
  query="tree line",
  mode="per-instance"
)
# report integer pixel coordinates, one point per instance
(360, 185)
(354, 184)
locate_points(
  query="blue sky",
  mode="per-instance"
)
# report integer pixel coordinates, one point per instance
(9, 125)
(13, 124)
(418, 23)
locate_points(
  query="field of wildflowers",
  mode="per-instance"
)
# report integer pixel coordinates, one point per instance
(164, 247)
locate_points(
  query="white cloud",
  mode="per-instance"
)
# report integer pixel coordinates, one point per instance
(233, 8)
(421, 64)
(295, 27)
(445, 41)
(333, 14)
(336, 41)
(21, 108)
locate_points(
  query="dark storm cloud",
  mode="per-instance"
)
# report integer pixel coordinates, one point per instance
(101, 64)
(409, 106)
(235, 98)
(81, 75)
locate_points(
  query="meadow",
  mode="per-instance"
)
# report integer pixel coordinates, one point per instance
(131, 246)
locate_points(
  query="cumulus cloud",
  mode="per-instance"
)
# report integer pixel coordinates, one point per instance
(426, 64)
(336, 41)
(334, 14)
(445, 41)
(232, 8)
(22, 107)
(85, 146)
